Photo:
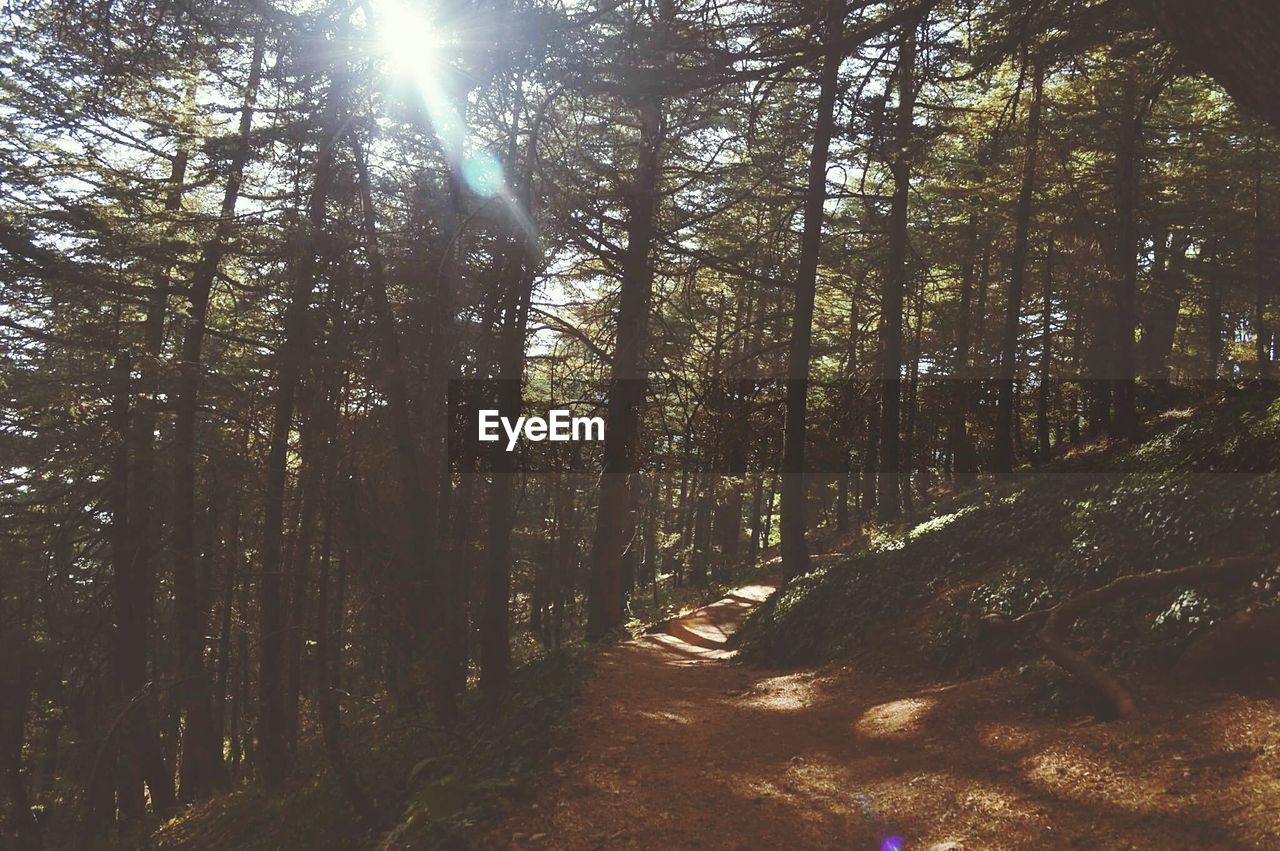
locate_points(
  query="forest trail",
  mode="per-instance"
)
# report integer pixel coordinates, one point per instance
(673, 746)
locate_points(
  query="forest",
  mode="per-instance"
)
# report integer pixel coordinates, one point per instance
(935, 342)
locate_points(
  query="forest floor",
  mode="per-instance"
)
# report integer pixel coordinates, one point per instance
(675, 746)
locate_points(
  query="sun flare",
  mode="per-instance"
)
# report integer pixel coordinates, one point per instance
(411, 41)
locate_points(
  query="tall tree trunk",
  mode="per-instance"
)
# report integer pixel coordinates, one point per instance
(231, 574)
(1261, 333)
(1213, 326)
(850, 404)
(1077, 386)
(894, 283)
(963, 460)
(1006, 403)
(239, 694)
(328, 656)
(446, 588)
(1164, 305)
(202, 769)
(757, 521)
(1046, 356)
(566, 556)
(130, 801)
(15, 696)
(1124, 421)
(141, 747)
(870, 461)
(767, 532)
(795, 550)
(416, 503)
(319, 425)
(909, 449)
(495, 640)
(627, 382)
(272, 749)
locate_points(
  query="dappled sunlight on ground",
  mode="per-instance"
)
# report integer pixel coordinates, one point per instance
(895, 718)
(664, 717)
(784, 693)
(1005, 738)
(676, 747)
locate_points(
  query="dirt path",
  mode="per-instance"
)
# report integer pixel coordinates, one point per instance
(675, 747)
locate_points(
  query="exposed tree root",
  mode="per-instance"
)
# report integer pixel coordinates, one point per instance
(1055, 623)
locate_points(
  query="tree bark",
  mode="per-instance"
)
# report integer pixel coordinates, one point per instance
(495, 639)
(15, 696)
(963, 460)
(893, 286)
(1005, 400)
(272, 750)
(795, 550)
(416, 503)
(627, 382)
(202, 769)
(1164, 305)
(328, 650)
(1046, 356)
(1262, 295)
(909, 448)
(1124, 420)
(141, 748)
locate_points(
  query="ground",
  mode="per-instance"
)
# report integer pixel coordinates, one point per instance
(676, 746)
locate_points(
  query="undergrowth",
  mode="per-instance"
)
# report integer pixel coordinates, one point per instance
(435, 785)
(1205, 485)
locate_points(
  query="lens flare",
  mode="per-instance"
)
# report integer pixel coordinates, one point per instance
(893, 843)
(482, 173)
(418, 49)
(415, 48)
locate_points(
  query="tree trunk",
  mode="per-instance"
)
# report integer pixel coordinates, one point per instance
(627, 382)
(870, 462)
(1124, 420)
(328, 650)
(141, 747)
(416, 503)
(1006, 402)
(795, 551)
(128, 780)
(893, 286)
(909, 449)
(1261, 333)
(15, 695)
(272, 749)
(202, 769)
(495, 639)
(963, 460)
(1164, 305)
(757, 524)
(1046, 356)
(230, 582)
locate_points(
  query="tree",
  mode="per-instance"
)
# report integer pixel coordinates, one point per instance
(795, 554)
(894, 284)
(1017, 271)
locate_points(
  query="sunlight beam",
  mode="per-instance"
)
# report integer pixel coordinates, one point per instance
(417, 48)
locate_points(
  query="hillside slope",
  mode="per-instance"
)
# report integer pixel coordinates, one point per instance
(1205, 485)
